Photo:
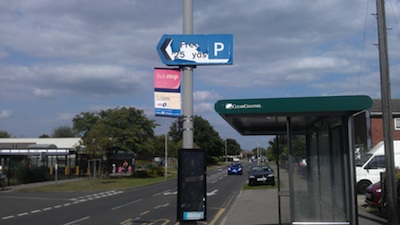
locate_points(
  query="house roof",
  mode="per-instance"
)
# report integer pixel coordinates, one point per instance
(67, 143)
(376, 109)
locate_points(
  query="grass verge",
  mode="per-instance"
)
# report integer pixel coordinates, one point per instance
(88, 185)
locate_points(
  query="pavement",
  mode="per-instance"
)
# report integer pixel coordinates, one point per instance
(38, 184)
(251, 207)
(259, 207)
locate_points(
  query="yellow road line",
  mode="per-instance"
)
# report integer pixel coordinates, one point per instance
(145, 212)
(216, 217)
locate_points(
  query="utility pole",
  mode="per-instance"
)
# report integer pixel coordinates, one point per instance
(391, 193)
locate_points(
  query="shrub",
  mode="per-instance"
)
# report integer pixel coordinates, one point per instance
(140, 174)
(155, 171)
(27, 174)
(213, 160)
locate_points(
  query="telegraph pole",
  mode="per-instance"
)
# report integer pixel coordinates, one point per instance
(391, 193)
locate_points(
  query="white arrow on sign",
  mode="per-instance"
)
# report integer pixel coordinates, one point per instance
(167, 49)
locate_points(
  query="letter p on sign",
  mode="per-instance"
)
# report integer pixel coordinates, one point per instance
(218, 47)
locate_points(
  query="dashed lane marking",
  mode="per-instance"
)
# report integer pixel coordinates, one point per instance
(74, 201)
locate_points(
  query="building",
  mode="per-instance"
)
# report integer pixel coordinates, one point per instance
(368, 125)
(62, 153)
(377, 123)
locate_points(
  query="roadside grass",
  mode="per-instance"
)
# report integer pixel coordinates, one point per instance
(87, 184)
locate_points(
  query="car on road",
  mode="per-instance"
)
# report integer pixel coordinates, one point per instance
(261, 174)
(235, 168)
(373, 195)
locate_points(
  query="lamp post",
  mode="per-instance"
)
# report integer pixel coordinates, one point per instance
(226, 150)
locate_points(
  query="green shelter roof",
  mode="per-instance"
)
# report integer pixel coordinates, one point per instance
(268, 116)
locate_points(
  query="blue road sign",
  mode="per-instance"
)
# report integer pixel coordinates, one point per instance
(214, 49)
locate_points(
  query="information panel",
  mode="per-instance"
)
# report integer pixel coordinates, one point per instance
(192, 185)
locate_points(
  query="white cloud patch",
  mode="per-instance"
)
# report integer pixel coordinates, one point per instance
(66, 116)
(77, 79)
(200, 96)
(6, 113)
(202, 108)
(43, 93)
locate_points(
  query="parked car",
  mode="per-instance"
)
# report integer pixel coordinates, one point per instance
(261, 175)
(235, 168)
(373, 195)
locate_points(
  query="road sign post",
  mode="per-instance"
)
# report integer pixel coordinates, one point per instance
(188, 51)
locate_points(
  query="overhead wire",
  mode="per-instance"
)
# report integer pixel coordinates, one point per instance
(363, 47)
(395, 19)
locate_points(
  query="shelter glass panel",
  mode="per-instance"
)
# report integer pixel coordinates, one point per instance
(301, 187)
(319, 179)
(284, 192)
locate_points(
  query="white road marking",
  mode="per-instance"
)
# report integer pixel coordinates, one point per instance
(129, 203)
(74, 201)
(35, 211)
(79, 220)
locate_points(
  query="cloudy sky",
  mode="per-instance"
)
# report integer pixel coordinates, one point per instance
(60, 58)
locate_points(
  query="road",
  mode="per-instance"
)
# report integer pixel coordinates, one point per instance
(149, 205)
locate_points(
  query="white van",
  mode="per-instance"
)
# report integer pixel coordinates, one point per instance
(369, 168)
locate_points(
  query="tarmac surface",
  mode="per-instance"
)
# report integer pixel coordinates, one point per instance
(260, 207)
(251, 207)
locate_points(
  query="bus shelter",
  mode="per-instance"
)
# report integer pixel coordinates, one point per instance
(316, 185)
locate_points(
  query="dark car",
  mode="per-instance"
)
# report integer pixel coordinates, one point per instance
(261, 175)
(235, 168)
(373, 195)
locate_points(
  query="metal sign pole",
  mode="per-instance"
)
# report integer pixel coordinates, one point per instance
(187, 134)
(187, 81)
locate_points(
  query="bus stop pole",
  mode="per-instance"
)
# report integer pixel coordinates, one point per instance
(187, 133)
(187, 81)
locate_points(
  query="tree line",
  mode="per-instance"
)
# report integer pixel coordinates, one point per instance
(127, 129)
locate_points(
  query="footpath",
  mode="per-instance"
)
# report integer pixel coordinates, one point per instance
(260, 207)
(38, 184)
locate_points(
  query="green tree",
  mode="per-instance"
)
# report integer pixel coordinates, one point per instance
(159, 147)
(298, 147)
(119, 129)
(4, 134)
(233, 147)
(258, 151)
(63, 132)
(84, 122)
(44, 136)
(204, 137)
